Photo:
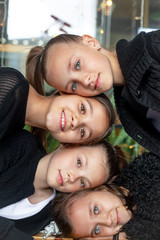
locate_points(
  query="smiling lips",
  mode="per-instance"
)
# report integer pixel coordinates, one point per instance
(62, 121)
(60, 178)
(98, 82)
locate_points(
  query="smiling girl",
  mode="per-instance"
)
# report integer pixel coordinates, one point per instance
(127, 209)
(30, 175)
(79, 65)
(69, 118)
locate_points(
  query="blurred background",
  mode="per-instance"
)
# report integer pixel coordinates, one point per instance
(25, 23)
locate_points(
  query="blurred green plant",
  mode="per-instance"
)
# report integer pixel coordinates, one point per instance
(119, 137)
(52, 143)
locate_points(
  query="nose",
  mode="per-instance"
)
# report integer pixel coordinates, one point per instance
(70, 177)
(88, 82)
(74, 122)
(106, 219)
(109, 220)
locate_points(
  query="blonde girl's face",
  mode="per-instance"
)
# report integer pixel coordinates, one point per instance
(75, 119)
(77, 168)
(79, 68)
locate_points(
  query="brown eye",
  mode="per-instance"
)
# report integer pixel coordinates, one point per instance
(82, 109)
(82, 183)
(79, 163)
(82, 132)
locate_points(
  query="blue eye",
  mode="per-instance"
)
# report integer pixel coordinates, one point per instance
(82, 132)
(82, 183)
(82, 109)
(79, 162)
(96, 210)
(78, 65)
(74, 86)
(96, 230)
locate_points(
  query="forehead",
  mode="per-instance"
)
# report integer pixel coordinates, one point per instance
(79, 213)
(64, 50)
(76, 211)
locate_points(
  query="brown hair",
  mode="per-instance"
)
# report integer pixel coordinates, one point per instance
(63, 201)
(36, 60)
(36, 73)
(116, 162)
(115, 157)
(104, 100)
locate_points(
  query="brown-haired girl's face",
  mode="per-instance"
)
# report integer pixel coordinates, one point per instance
(77, 168)
(78, 68)
(75, 119)
(98, 214)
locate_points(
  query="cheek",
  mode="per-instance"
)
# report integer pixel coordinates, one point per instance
(98, 180)
(71, 137)
(72, 187)
(51, 178)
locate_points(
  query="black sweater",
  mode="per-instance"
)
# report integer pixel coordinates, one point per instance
(139, 61)
(20, 153)
(142, 179)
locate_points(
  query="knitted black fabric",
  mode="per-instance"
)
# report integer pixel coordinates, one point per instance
(139, 60)
(20, 153)
(13, 98)
(142, 178)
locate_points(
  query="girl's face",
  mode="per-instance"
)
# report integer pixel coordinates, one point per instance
(77, 168)
(98, 214)
(79, 68)
(76, 119)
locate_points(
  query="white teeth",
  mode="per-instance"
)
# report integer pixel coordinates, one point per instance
(63, 120)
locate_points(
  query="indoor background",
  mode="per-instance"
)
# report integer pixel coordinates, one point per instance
(25, 23)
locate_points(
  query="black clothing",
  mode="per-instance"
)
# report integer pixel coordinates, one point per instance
(142, 179)
(9, 232)
(139, 61)
(20, 153)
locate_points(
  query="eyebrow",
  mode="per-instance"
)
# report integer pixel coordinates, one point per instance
(68, 69)
(90, 106)
(91, 110)
(88, 181)
(90, 214)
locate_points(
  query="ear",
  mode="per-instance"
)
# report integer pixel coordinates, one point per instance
(90, 41)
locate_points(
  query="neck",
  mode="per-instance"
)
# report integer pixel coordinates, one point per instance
(37, 109)
(40, 180)
(118, 78)
(42, 189)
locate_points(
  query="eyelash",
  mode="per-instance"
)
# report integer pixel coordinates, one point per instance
(82, 183)
(95, 230)
(83, 109)
(74, 87)
(82, 132)
(95, 210)
(78, 64)
(79, 163)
